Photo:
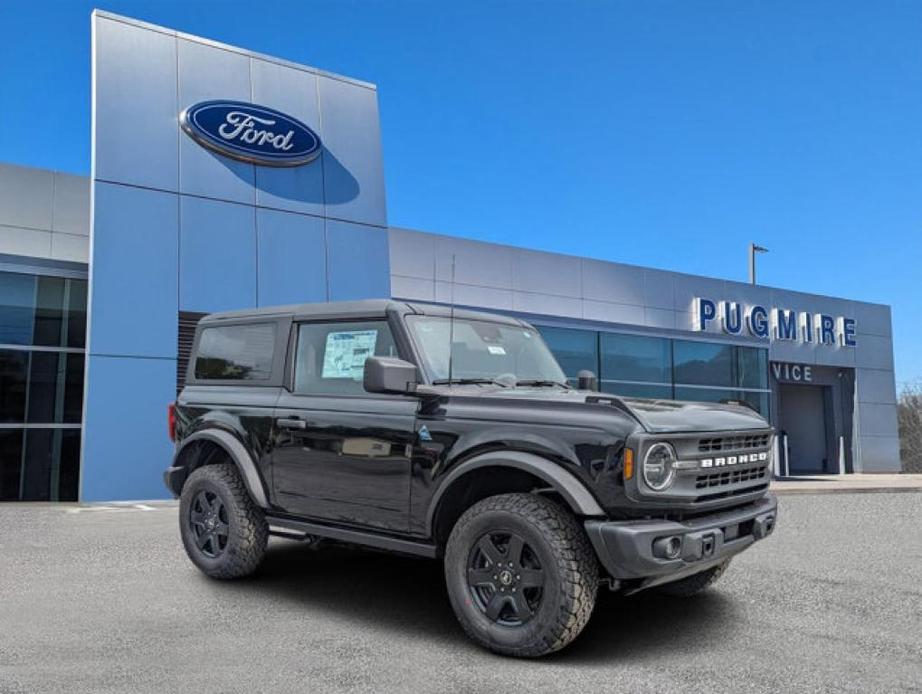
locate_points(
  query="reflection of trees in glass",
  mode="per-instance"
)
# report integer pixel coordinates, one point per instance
(213, 367)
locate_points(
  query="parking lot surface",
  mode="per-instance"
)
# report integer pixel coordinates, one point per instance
(102, 599)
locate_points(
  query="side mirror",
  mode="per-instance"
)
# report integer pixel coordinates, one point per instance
(389, 375)
(586, 380)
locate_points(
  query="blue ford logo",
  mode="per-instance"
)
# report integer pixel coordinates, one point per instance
(251, 133)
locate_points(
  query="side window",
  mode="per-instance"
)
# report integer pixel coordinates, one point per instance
(236, 352)
(330, 357)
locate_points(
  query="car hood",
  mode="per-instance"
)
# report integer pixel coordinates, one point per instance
(655, 416)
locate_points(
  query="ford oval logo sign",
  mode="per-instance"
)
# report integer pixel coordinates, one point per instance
(250, 133)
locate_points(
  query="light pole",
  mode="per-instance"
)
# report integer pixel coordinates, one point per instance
(753, 249)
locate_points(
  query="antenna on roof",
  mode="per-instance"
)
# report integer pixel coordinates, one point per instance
(451, 318)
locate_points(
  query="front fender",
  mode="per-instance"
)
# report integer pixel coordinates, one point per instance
(574, 492)
(176, 475)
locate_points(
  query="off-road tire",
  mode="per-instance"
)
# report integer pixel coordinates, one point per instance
(568, 562)
(248, 532)
(696, 583)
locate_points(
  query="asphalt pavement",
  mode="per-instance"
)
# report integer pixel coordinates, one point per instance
(102, 599)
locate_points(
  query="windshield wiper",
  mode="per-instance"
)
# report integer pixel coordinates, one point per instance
(468, 381)
(538, 382)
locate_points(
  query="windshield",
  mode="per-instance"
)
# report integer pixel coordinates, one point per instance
(482, 350)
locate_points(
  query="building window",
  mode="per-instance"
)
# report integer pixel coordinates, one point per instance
(42, 355)
(575, 350)
(663, 368)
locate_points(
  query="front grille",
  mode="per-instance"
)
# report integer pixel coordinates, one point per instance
(733, 443)
(735, 476)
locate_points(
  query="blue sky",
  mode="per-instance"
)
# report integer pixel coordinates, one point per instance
(667, 134)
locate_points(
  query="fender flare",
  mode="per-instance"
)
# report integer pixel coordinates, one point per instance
(562, 480)
(238, 453)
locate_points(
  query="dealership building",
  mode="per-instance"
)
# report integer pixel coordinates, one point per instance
(195, 204)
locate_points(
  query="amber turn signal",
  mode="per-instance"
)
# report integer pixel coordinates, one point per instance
(628, 463)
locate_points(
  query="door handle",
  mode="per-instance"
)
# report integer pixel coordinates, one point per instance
(291, 423)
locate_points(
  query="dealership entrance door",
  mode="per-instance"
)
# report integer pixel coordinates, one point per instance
(804, 421)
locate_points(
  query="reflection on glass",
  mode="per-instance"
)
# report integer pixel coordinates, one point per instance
(636, 358)
(575, 350)
(704, 363)
(638, 390)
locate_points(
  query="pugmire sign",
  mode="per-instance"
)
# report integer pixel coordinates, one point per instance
(774, 323)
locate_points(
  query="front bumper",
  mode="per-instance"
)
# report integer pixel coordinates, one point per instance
(626, 548)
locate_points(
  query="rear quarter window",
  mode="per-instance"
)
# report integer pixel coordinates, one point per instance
(236, 352)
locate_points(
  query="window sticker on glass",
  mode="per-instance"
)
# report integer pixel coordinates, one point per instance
(497, 349)
(346, 353)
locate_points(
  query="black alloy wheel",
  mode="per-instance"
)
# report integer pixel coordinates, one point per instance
(208, 520)
(505, 578)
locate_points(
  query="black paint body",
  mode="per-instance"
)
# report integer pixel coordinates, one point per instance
(359, 461)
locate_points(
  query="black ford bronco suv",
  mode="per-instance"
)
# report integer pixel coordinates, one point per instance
(454, 435)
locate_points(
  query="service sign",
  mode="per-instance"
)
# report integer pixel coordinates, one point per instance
(251, 133)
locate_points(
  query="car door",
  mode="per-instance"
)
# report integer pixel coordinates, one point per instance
(341, 454)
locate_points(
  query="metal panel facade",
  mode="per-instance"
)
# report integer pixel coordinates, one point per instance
(179, 227)
(633, 299)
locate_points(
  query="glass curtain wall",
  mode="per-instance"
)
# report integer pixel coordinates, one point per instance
(660, 367)
(42, 352)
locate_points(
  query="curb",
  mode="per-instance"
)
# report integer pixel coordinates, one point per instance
(844, 490)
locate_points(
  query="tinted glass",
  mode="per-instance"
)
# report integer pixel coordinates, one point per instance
(10, 463)
(637, 390)
(14, 366)
(73, 388)
(330, 358)
(636, 358)
(17, 301)
(705, 394)
(52, 457)
(46, 377)
(236, 352)
(703, 363)
(753, 367)
(574, 350)
(76, 314)
(49, 312)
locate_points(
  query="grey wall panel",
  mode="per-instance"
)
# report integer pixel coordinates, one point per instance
(412, 254)
(547, 304)
(26, 196)
(352, 166)
(547, 273)
(659, 318)
(621, 284)
(874, 352)
(71, 204)
(205, 73)
(873, 319)
(73, 247)
(879, 454)
(793, 352)
(469, 295)
(414, 289)
(688, 288)
(876, 386)
(809, 302)
(292, 91)
(135, 95)
(476, 263)
(659, 289)
(613, 313)
(878, 420)
(18, 241)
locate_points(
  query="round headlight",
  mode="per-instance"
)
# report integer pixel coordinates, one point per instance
(658, 466)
